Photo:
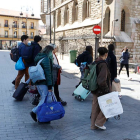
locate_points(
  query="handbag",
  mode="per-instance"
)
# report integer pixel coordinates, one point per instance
(116, 86)
(50, 111)
(19, 65)
(36, 72)
(110, 105)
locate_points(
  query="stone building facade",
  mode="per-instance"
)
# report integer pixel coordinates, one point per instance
(74, 20)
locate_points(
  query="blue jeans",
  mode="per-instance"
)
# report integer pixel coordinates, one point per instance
(43, 91)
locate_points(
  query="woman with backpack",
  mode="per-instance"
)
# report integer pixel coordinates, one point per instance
(86, 58)
(124, 61)
(104, 87)
(44, 86)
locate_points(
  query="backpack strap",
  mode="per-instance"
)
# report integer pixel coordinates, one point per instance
(40, 61)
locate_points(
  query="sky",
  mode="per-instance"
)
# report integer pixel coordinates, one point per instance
(17, 4)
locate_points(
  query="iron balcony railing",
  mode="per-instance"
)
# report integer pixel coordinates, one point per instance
(32, 27)
(6, 25)
(13, 36)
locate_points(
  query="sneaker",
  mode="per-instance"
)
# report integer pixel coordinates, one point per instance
(129, 79)
(33, 115)
(101, 127)
(64, 103)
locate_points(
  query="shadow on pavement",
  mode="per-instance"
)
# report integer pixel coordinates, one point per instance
(127, 88)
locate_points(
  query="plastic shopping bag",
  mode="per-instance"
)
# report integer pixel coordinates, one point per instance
(110, 105)
(20, 65)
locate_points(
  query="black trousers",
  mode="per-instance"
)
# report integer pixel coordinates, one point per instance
(56, 92)
(126, 66)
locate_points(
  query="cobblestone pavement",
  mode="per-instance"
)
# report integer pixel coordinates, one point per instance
(16, 123)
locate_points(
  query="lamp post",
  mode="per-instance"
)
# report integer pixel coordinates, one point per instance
(50, 20)
(21, 14)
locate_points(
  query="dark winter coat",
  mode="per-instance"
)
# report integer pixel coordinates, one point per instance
(47, 65)
(125, 56)
(37, 48)
(112, 63)
(85, 57)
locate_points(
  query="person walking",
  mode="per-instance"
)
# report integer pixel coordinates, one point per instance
(86, 58)
(36, 47)
(124, 61)
(57, 76)
(44, 86)
(104, 86)
(112, 62)
(21, 73)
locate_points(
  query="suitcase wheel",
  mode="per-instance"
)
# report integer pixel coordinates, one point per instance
(72, 94)
(82, 100)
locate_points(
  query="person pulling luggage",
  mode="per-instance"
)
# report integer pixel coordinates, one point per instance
(85, 57)
(44, 87)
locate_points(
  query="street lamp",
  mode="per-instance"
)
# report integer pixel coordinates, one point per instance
(21, 14)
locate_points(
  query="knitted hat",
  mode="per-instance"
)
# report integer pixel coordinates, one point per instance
(52, 45)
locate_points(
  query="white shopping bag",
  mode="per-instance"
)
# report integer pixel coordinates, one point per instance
(110, 104)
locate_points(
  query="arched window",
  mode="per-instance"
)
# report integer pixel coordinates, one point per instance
(86, 9)
(123, 20)
(66, 15)
(75, 11)
(106, 22)
(59, 18)
(53, 3)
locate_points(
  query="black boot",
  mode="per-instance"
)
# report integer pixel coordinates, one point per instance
(33, 115)
(64, 103)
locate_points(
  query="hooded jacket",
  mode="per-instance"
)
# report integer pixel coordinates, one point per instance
(85, 57)
(47, 65)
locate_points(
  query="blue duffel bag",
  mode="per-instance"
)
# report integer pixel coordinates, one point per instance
(50, 111)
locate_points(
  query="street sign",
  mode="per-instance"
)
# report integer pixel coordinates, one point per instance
(96, 29)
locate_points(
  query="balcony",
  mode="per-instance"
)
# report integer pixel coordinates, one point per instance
(15, 26)
(6, 25)
(32, 27)
(15, 36)
(23, 26)
(31, 37)
(6, 36)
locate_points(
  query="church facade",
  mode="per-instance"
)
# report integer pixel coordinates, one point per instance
(75, 19)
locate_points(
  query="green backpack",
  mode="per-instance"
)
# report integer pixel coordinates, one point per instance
(89, 81)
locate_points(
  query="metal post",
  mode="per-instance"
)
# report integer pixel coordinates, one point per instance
(26, 24)
(50, 20)
(96, 45)
(54, 27)
(102, 22)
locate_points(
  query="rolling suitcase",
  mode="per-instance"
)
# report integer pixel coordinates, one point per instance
(81, 93)
(20, 91)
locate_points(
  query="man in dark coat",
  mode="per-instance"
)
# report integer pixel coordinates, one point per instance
(112, 63)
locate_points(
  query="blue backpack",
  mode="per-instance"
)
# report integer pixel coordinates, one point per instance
(27, 53)
(50, 111)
